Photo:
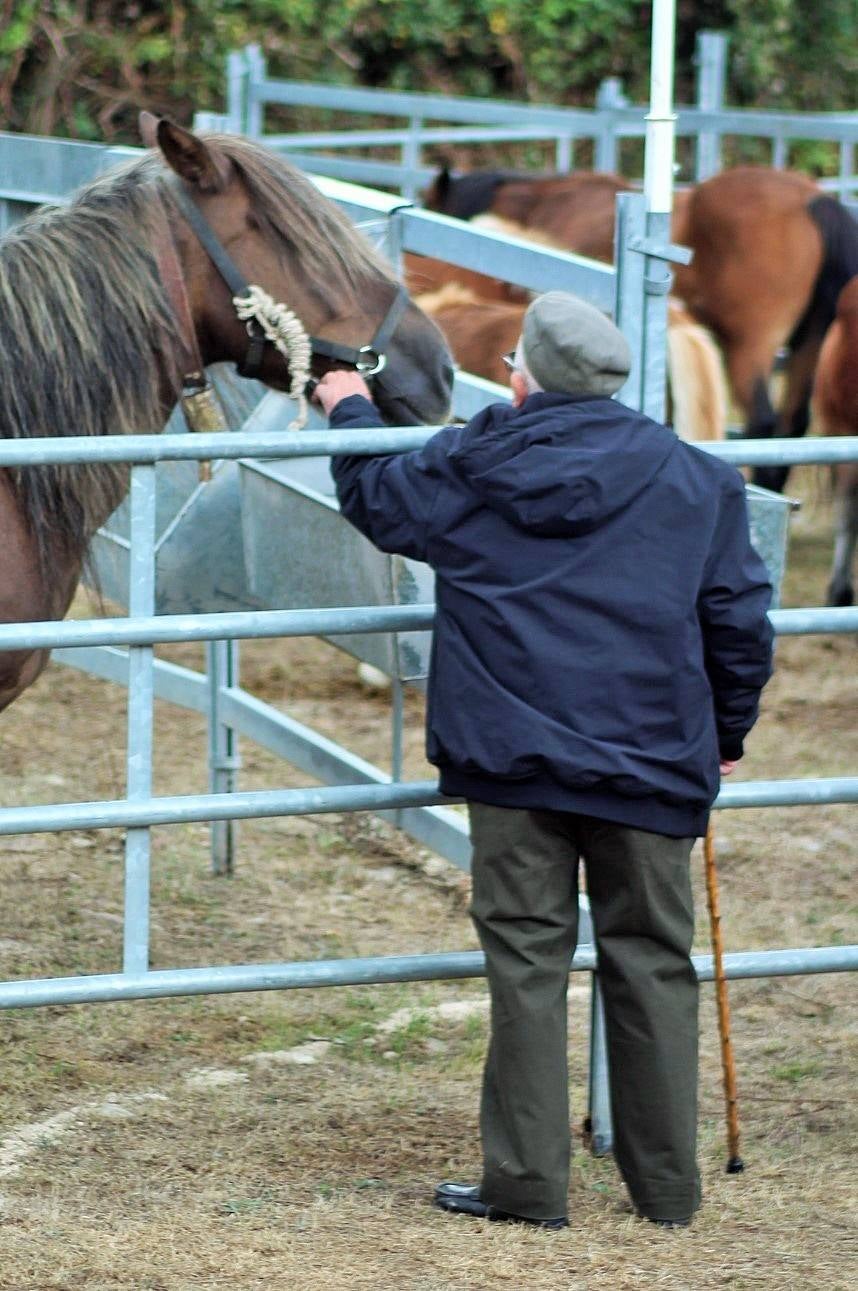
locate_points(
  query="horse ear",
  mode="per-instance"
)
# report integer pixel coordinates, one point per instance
(435, 196)
(184, 152)
(148, 124)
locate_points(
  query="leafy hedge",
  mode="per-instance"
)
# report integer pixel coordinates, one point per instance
(85, 69)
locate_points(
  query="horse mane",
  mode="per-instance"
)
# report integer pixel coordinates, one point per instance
(88, 340)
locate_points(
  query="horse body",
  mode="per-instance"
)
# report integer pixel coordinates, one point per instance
(835, 412)
(93, 334)
(480, 332)
(575, 211)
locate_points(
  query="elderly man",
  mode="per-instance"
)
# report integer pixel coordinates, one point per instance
(600, 645)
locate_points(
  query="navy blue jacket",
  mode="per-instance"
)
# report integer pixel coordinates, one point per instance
(601, 633)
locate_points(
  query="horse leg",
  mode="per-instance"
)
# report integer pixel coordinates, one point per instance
(794, 414)
(840, 591)
(749, 361)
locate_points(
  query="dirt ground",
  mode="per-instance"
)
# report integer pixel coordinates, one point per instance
(289, 1141)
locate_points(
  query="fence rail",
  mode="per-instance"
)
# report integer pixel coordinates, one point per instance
(250, 91)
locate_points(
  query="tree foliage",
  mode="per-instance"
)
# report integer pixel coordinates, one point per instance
(84, 69)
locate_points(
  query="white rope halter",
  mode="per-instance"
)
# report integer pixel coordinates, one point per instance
(285, 330)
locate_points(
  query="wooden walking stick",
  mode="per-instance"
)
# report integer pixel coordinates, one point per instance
(735, 1164)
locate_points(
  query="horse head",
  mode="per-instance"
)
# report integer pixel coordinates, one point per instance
(463, 196)
(279, 233)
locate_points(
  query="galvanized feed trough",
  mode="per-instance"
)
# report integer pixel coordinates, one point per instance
(268, 535)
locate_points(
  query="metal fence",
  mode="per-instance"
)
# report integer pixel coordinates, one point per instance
(472, 121)
(139, 811)
(123, 649)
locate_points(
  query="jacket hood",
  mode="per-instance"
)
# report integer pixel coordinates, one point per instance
(560, 465)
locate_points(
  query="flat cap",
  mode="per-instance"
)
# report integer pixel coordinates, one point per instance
(570, 347)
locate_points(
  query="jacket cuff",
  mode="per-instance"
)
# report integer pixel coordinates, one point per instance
(354, 412)
(730, 749)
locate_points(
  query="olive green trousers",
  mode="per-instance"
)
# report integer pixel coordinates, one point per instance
(525, 910)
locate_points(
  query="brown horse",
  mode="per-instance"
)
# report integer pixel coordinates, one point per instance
(575, 211)
(480, 332)
(103, 302)
(771, 253)
(835, 412)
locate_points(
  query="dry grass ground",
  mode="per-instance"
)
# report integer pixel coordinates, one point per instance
(289, 1141)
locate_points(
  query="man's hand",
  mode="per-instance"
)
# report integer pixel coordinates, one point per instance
(727, 767)
(337, 385)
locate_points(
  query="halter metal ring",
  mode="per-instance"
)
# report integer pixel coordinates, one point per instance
(372, 364)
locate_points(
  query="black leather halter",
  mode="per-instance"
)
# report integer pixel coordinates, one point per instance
(368, 360)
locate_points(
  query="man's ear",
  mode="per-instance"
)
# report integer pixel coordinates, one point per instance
(519, 388)
(200, 164)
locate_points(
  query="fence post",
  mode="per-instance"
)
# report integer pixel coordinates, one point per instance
(711, 61)
(609, 97)
(255, 73)
(141, 696)
(629, 287)
(236, 92)
(564, 154)
(410, 159)
(222, 666)
(847, 171)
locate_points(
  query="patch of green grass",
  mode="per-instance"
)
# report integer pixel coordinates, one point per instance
(793, 1072)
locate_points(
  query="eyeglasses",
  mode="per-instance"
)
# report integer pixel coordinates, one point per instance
(509, 360)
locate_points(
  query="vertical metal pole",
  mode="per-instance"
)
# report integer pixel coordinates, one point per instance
(564, 154)
(629, 285)
(779, 153)
(254, 107)
(222, 665)
(141, 690)
(711, 59)
(658, 190)
(609, 97)
(847, 171)
(411, 159)
(236, 92)
(599, 1120)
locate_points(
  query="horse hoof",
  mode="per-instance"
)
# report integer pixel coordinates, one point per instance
(771, 477)
(840, 596)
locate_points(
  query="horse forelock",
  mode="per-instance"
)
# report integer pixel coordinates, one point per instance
(312, 228)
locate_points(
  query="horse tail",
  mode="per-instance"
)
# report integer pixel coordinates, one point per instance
(835, 390)
(698, 385)
(839, 232)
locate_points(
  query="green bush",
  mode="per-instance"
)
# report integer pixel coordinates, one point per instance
(85, 69)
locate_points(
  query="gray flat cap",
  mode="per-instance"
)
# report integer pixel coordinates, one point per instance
(570, 347)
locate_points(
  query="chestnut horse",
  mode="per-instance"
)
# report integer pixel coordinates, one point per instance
(835, 412)
(480, 332)
(103, 302)
(771, 253)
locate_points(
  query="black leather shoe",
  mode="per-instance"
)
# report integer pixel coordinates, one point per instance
(464, 1199)
(668, 1223)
